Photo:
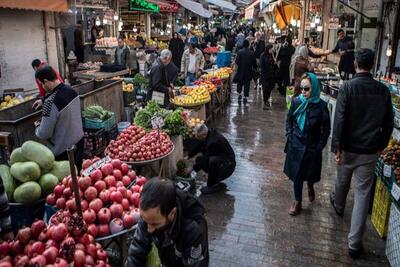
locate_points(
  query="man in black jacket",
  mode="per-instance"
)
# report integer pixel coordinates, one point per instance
(174, 220)
(362, 128)
(217, 159)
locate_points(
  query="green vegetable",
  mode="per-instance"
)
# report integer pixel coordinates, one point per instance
(27, 192)
(97, 112)
(8, 181)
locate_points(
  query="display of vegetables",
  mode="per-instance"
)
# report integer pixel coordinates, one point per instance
(195, 97)
(61, 244)
(135, 145)
(174, 120)
(107, 204)
(10, 101)
(33, 173)
(96, 112)
(139, 79)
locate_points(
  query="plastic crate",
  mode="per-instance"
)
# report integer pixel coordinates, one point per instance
(94, 139)
(393, 237)
(99, 124)
(111, 134)
(381, 208)
(223, 59)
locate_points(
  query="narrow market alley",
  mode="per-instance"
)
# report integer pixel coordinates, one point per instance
(249, 224)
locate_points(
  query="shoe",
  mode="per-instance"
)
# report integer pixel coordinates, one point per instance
(211, 189)
(356, 253)
(311, 193)
(295, 209)
(332, 199)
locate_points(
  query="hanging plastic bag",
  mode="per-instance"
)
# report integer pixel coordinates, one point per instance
(289, 96)
(153, 260)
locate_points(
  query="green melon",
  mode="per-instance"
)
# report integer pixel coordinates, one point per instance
(27, 193)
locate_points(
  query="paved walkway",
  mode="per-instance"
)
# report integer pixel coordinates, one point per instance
(249, 224)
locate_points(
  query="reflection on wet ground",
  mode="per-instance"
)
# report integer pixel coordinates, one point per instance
(249, 224)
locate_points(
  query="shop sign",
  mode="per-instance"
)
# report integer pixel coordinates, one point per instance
(170, 7)
(333, 24)
(95, 166)
(94, 3)
(143, 5)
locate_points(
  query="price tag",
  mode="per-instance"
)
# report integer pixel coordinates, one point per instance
(158, 97)
(395, 191)
(98, 164)
(157, 122)
(387, 171)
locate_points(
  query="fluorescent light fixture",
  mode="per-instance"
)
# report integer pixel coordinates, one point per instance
(312, 24)
(319, 29)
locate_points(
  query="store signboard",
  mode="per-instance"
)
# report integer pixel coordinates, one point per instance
(333, 24)
(94, 3)
(143, 5)
(170, 7)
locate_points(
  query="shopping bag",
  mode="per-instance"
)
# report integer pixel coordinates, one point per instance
(289, 96)
(153, 259)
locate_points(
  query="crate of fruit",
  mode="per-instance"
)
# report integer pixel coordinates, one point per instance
(393, 237)
(381, 208)
(94, 140)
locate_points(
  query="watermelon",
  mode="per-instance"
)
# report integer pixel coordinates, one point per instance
(8, 181)
(25, 171)
(47, 183)
(27, 193)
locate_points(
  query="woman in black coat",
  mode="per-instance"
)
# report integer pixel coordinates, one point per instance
(307, 131)
(268, 73)
(176, 46)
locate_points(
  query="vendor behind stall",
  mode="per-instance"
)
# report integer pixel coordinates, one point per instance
(217, 159)
(345, 46)
(162, 77)
(122, 53)
(61, 123)
(174, 220)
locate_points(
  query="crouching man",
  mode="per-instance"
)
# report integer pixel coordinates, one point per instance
(217, 158)
(174, 220)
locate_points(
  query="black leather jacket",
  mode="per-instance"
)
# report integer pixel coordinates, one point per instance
(364, 116)
(185, 243)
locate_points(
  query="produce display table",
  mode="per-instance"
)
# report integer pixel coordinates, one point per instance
(98, 75)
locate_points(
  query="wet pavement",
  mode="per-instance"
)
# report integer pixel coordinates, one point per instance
(249, 224)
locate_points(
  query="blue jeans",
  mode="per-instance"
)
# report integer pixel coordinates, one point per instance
(190, 78)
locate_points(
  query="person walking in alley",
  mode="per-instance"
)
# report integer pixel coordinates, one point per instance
(307, 131)
(284, 58)
(300, 65)
(268, 73)
(246, 65)
(362, 128)
(176, 46)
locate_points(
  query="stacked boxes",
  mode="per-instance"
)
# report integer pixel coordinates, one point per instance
(381, 208)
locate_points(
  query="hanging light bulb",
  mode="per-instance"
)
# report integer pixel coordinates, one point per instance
(389, 51)
(105, 21)
(319, 29)
(298, 23)
(293, 22)
(98, 21)
(274, 25)
(317, 20)
(116, 17)
(312, 24)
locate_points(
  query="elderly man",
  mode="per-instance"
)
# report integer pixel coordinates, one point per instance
(162, 77)
(217, 159)
(192, 64)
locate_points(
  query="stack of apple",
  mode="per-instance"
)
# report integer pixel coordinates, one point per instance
(57, 245)
(134, 145)
(107, 204)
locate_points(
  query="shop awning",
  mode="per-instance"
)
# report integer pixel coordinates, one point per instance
(223, 4)
(41, 5)
(249, 11)
(195, 8)
(284, 13)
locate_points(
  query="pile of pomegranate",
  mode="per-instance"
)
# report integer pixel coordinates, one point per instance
(135, 145)
(108, 206)
(55, 245)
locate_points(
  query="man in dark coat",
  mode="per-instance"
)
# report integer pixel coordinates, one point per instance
(122, 54)
(361, 130)
(258, 45)
(174, 221)
(284, 58)
(268, 71)
(217, 159)
(246, 65)
(162, 76)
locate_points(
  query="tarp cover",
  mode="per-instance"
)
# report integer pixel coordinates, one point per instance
(195, 8)
(223, 4)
